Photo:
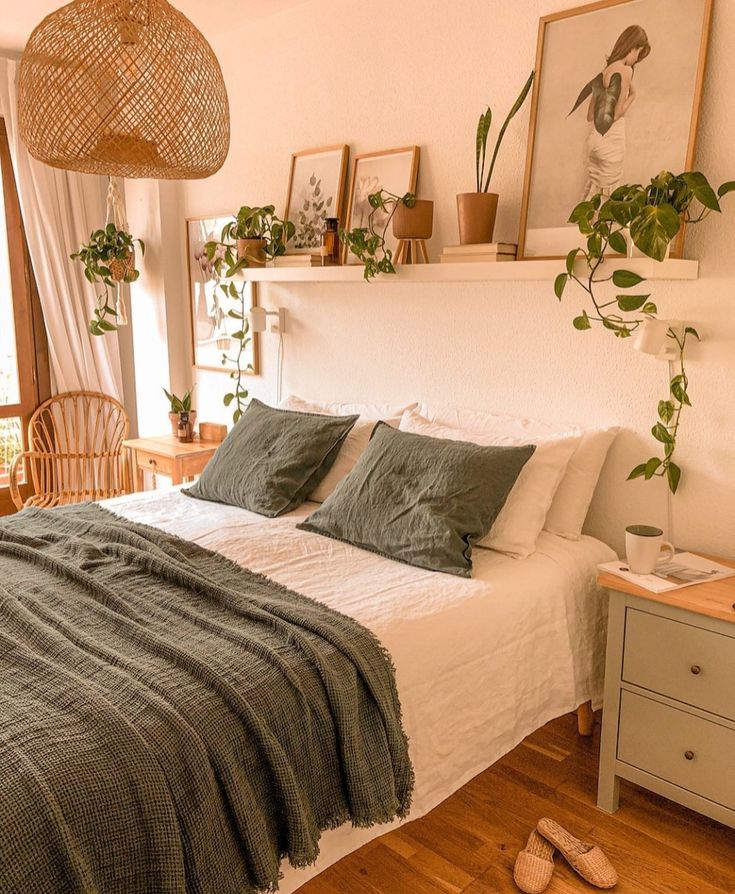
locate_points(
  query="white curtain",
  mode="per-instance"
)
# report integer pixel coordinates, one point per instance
(60, 209)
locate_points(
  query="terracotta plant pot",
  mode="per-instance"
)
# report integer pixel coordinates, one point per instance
(174, 420)
(253, 250)
(476, 216)
(414, 223)
(121, 267)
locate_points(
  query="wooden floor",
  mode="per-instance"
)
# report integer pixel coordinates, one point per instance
(469, 843)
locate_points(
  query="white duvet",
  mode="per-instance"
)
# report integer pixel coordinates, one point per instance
(480, 663)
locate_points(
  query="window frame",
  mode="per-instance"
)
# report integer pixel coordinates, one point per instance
(30, 333)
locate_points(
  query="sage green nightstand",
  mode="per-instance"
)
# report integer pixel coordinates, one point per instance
(668, 723)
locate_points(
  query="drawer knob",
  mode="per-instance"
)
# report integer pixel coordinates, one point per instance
(695, 669)
(689, 755)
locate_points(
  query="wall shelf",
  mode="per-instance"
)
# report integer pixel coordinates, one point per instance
(504, 271)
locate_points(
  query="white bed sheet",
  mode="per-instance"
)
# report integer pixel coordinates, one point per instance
(480, 663)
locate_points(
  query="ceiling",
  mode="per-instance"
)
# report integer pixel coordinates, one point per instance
(210, 16)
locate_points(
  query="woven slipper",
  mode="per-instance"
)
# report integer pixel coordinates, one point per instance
(534, 865)
(588, 860)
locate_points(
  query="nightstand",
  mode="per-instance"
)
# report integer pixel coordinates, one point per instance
(166, 455)
(668, 723)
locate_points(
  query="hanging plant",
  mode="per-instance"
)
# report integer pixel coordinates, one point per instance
(108, 260)
(368, 243)
(226, 258)
(650, 217)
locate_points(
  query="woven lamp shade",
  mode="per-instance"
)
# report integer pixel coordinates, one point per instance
(128, 88)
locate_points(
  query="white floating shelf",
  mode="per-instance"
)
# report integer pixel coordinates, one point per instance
(508, 271)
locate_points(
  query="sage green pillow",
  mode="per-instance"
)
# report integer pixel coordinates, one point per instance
(421, 500)
(272, 459)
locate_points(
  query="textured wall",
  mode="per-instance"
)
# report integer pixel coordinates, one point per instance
(388, 74)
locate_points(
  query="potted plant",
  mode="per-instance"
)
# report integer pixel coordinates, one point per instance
(414, 221)
(476, 211)
(180, 405)
(368, 243)
(109, 259)
(649, 217)
(258, 235)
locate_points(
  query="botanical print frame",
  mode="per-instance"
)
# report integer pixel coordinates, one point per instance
(211, 326)
(619, 139)
(316, 186)
(393, 169)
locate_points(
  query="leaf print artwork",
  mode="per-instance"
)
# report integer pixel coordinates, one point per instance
(314, 207)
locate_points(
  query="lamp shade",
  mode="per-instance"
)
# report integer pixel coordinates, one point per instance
(127, 88)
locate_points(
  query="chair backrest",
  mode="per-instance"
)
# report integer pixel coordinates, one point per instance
(75, 446)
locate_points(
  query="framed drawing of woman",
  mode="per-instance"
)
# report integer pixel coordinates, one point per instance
(615, 100)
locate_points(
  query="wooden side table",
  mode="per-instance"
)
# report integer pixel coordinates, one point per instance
(166, 455)
(669, 718)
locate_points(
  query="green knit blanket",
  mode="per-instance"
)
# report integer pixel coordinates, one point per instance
(171, 723)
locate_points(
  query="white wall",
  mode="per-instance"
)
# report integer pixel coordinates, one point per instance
(388, 74)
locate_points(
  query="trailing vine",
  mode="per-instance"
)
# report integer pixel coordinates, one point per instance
(368, 243)
(650, 217)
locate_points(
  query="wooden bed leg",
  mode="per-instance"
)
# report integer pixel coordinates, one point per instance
(585, 719)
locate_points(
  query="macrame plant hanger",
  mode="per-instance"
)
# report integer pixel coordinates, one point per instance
(116, 215)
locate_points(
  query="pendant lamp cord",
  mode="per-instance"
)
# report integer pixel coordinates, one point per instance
(116, 215)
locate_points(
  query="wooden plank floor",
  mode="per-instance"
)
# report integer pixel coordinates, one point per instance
(468, 844)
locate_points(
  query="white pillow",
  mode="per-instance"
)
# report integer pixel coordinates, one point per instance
(572, 500)
(356, 441)
(521, 519)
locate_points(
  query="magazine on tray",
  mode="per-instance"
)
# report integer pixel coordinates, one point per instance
(684, 570)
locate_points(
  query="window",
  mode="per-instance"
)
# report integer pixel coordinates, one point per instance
(23, 352)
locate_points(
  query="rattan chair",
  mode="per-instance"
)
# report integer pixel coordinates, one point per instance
(75, 451)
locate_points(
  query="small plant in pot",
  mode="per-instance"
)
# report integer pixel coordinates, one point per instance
(109, 259)
(257, 234)
(368, 243)
(180, 405)
(476, 210)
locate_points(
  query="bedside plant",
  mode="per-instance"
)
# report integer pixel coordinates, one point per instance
(108, 259)
(180, 405)
(650, 217)
(476, 210)
(368, 243)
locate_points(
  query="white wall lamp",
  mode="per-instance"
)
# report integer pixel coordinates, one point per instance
(653, 338)
(259, 319)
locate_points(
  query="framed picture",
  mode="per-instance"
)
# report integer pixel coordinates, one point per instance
(615, 100)
(393, 169)
(211, 326)
(316, 185)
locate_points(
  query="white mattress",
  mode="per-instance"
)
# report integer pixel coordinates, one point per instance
(480, 663)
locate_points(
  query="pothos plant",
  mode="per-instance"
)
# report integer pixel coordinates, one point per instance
(248, 223)
(650, 217)
(108, 259)
(368, 243)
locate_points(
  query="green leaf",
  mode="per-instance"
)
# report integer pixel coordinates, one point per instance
(571, 258)
(703, 192)
(649, 308)
(666, 410)
(618, 243)
(725, 188)
(581, 212)
(626, 279)
(653, 229)
(630, 303)
(559, 284)
(582, 322)
(690, 330)
(673, 475)
(227, 399)
(638, 472)
(594, 245)
(236, 416)
(662, 434)
(651, 467)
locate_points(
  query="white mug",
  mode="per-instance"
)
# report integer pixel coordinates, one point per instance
(643, 546)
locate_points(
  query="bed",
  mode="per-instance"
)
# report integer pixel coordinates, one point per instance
(480, 663)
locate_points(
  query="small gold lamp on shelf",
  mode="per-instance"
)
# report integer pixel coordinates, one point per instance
(127, 88)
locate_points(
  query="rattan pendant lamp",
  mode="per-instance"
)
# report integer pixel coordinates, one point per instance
(127, 88)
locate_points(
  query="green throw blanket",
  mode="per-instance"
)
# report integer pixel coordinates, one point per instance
(170, 722)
